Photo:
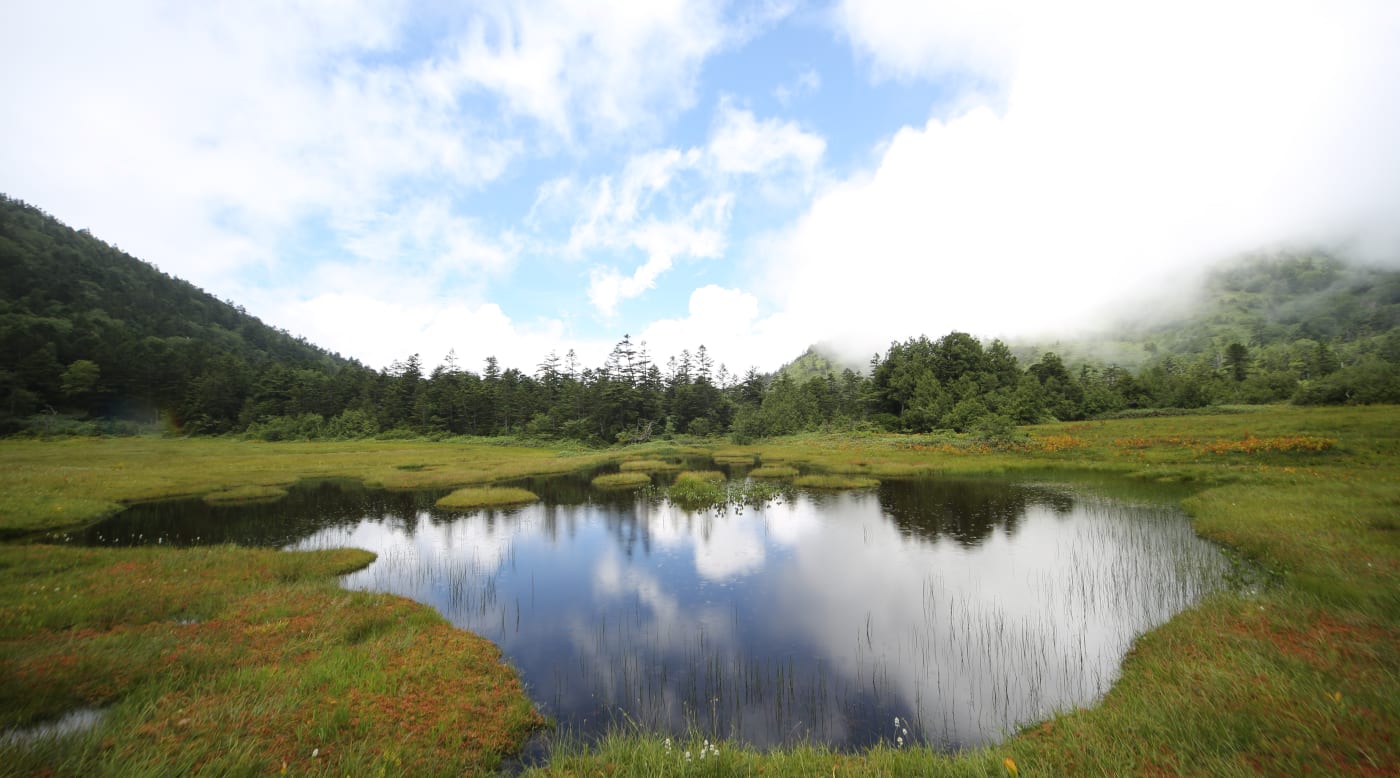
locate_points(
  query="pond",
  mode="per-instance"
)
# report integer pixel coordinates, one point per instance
(964, 608)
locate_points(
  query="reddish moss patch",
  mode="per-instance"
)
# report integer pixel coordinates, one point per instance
(282, 665)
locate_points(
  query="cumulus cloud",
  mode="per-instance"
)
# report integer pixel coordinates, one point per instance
(670, 204)
(380, 328)
(743, 144)
(728, 323)
(614, 65)
(916, 40)
(1127, 148)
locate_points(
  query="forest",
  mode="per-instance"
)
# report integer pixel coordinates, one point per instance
(94, 341)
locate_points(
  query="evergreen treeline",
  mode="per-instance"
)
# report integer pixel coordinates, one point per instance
(93, 340)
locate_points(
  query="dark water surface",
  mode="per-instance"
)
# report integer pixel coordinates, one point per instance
(964, 608)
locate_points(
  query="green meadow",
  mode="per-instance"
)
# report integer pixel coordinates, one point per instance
(245, 661)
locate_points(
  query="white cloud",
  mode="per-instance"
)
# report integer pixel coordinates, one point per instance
(612, 65)
(670, 204)
(728, 323)
(427, 236)
(170, 129)
(1133, 147)
(743, 144)
(912, 40)
(383, 318)
(698, 236)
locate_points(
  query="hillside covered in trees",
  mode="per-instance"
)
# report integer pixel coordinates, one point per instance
(94, 340)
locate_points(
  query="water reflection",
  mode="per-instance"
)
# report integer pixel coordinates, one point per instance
(965, 607)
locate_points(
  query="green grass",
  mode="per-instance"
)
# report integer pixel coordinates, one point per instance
(710, 476)
(62, 484)
(835, 482)
(487, 496)
(647, 466)
(1300, 678)
(621, 480)
(228, 660)
(774, 471)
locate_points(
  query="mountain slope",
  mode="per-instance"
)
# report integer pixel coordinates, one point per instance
(86, 328)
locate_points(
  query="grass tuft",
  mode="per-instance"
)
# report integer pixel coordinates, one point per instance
(621, 480)
(711, 476)
(774, 471)
(835, 482)
(647, 466)
(486, 496)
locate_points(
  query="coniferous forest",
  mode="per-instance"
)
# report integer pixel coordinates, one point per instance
(95, 341)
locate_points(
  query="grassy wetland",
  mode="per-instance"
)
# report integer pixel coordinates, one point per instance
(230, 659)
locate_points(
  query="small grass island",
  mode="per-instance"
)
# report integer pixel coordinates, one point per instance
(487, 497)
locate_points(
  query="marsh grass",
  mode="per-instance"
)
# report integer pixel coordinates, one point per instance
(52, 485)
(835, 482)
(648, 466)
(485, 496)
(245, 494)
(631, 480)
(774, 471)
(712, 476)
(228, 660)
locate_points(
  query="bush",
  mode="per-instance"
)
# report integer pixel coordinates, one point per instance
(996, 430)
(350, 425)
(306, 426)
(1368, 382)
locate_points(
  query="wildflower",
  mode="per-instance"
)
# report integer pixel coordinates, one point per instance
(315, 752)
(1011, 767)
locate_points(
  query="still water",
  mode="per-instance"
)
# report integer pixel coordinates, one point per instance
(964, 608)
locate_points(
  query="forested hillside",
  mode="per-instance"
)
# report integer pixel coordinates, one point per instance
(87, 330)
(1306, 327)
(93, 340)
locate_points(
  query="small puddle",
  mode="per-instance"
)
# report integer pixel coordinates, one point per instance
(70, 723)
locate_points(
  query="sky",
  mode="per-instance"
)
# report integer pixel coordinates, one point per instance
(512, 178)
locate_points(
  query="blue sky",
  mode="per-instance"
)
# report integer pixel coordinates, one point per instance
(510, 178)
